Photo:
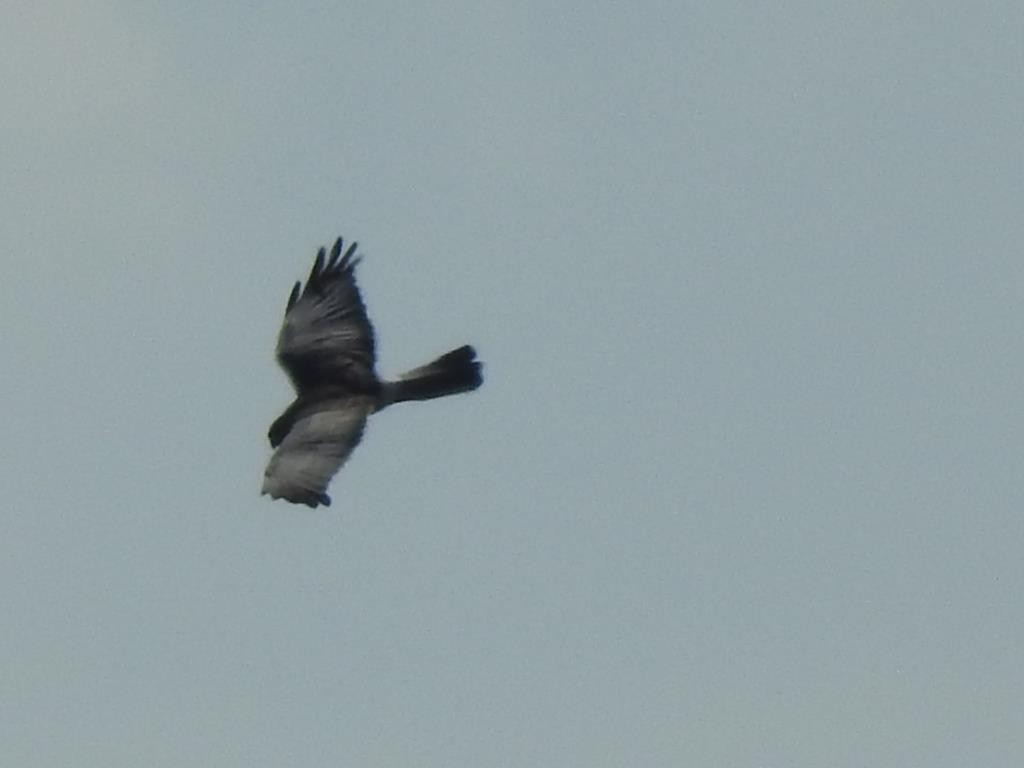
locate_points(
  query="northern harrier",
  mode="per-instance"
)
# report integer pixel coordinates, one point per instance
(326, 348)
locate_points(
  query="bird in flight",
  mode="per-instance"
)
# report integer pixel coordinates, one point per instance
(326, 348)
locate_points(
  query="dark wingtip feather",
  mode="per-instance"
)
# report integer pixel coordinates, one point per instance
(335, 253)
(293, 297)
(318, 268)
(349, 261)
(463, 354)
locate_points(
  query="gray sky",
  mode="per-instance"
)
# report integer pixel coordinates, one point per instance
(742, 487)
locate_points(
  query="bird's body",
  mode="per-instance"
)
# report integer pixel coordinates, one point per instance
(326, 347)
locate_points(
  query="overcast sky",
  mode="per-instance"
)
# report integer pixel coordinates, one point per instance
(742, 486)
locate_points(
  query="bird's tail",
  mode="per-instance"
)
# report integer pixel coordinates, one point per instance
(451, 373)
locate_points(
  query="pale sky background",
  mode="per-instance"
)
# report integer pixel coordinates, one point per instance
(743, 484)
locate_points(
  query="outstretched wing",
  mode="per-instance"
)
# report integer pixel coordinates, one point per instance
(326, 337)
(314, 450)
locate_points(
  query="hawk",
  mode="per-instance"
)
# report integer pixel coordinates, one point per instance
(326, 347)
